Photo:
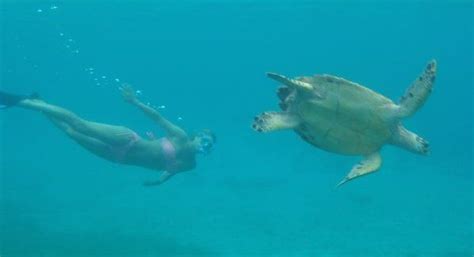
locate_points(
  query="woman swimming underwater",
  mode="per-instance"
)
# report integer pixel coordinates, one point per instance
(172, 154)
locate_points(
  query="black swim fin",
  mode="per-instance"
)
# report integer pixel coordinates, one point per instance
(9, 100)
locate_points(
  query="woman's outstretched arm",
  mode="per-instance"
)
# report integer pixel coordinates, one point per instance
(129, 95)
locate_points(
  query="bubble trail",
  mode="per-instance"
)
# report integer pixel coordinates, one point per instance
(72, 47)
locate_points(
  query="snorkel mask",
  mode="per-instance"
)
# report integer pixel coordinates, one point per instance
(206, 142)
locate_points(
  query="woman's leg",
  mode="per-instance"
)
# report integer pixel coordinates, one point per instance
(108, 134)
(93, 145)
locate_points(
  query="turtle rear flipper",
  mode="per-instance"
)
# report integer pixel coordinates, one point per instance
(418, 92)
(369, 164)
(410, 141)
(271, 121)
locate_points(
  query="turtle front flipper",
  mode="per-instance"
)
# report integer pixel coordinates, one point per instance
(417, 94)
(271, 121)
(370, 163)
(292, 83)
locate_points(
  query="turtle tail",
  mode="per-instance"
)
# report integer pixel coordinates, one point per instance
(8, 100)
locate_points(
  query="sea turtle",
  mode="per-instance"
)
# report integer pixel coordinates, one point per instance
(343, 117)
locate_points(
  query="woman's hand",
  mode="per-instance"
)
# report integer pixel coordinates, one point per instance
(128, 93)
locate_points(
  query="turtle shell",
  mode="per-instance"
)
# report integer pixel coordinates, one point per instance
(346, 118)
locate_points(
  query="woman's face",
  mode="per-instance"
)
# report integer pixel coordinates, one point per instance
(204, 143)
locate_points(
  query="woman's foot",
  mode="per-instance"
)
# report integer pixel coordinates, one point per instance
(9, 100)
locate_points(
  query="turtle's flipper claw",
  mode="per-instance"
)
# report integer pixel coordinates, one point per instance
(271, 121)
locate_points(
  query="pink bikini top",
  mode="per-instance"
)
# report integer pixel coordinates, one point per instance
(169, 152)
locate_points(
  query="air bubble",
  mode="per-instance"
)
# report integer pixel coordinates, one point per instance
(180, 118)
(53, 7)
(139, 92)
(103, 77)
(161, 107)
(117, 80)
(39, 10)
(61, 34)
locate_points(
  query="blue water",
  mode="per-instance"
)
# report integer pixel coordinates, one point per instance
(256, 194)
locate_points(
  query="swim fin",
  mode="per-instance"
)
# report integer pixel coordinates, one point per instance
(9, 100)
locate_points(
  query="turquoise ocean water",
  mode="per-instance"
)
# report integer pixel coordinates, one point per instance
(256, 194)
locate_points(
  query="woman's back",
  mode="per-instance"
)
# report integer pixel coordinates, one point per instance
(162, 154)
